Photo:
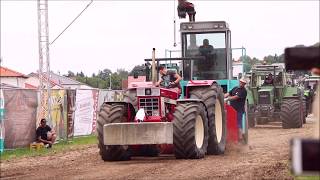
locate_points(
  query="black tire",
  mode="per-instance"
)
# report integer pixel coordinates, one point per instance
(184, 131)
(210, 96)
(111, 113)
(291, 113)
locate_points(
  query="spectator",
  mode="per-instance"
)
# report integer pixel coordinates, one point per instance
(45, 134)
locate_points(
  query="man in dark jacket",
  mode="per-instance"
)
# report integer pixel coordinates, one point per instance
(237, 97)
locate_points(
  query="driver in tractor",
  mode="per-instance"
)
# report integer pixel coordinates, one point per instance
(268, 80)
(169, 79)
(206, 49)
(237, 97)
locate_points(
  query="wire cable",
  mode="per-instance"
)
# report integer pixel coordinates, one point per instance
(72, 22)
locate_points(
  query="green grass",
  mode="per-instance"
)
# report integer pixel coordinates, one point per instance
(62, 146)
(307, 178)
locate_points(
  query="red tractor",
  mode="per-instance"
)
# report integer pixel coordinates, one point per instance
(153, 120)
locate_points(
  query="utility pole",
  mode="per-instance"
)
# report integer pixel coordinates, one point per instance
(109, 81)
(44, 60)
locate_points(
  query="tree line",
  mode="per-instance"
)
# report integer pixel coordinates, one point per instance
(101, 80)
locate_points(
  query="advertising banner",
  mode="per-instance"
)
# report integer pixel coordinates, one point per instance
(58, 113)
(2, 133)
(84, 112)
(71, 100)
(95, 95)
(20, 118)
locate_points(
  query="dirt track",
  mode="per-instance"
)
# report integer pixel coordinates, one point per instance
(266, 157)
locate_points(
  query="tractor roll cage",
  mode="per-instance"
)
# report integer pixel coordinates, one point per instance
(171, 59)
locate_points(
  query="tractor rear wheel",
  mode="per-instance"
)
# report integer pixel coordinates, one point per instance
(212, 97)
(111, 113)
(291, 113)
(190, 131)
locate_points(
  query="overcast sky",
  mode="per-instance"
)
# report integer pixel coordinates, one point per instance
(113, 34)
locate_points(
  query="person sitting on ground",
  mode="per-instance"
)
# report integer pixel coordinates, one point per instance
(45, 134)
(169, 79)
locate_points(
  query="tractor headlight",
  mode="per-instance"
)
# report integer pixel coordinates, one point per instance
(148, 91)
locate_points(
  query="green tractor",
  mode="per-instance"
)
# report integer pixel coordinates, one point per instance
(309, 84)
(271, 98)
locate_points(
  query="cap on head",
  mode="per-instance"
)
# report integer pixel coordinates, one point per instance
(243, 80)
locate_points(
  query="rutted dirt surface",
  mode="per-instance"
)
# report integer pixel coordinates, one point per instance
(266, 157)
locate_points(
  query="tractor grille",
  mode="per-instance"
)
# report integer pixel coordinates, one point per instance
(150, 106)
(264, 97)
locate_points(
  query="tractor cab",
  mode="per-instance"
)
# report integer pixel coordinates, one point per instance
(208, 45)
(268, 82)
(210, 40)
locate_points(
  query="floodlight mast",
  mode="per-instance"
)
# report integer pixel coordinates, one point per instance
(44, 60)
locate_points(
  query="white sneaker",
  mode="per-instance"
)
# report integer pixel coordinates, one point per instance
(46, 146)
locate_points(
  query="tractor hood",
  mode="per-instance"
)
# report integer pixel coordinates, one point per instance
(135, 85)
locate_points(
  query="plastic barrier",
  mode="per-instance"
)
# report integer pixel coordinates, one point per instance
(232, 126)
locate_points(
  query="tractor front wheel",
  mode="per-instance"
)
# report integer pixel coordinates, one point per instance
(291, 113)
(111, 113)
(190, 131)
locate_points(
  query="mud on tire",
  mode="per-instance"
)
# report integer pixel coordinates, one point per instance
(291, 113)
(111, 113)
(211, 96)
(190, 131)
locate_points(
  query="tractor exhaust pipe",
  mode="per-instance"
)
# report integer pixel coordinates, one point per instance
(153, 71)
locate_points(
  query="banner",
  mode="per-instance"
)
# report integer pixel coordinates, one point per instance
(71, 100)
(2, 133)
(95, 95)
(84, 112)
(20, 119)
(58, 113)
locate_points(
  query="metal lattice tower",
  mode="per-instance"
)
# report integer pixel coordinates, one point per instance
(44, 59)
